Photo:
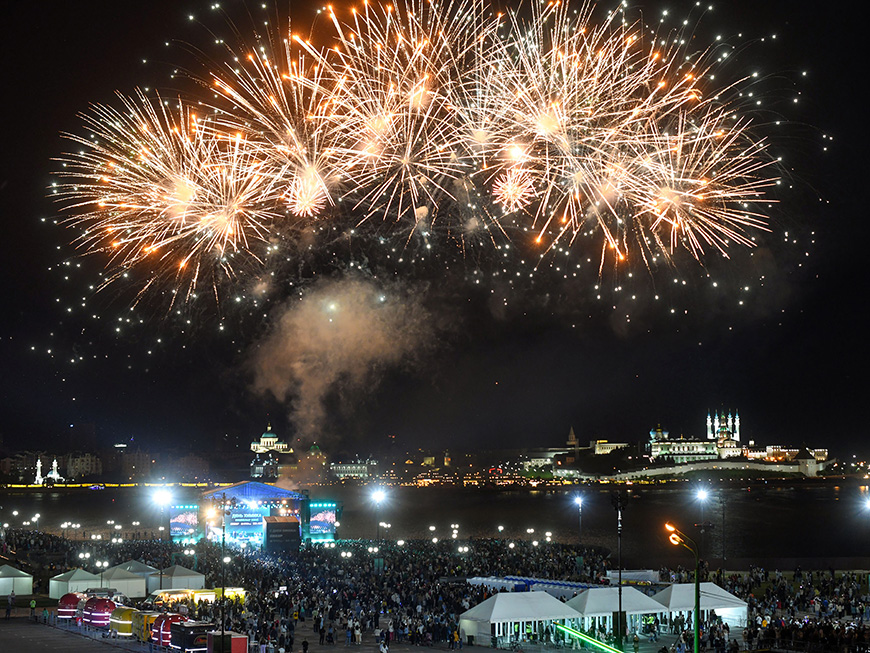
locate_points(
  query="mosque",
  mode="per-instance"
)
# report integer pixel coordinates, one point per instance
(722, 441)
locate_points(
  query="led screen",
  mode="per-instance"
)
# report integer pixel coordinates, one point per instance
(322, 522)
(183, 522)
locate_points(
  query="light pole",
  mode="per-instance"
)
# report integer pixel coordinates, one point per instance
(579, 501)
(225, 506)
(378, 497)
(703, 494)
(677, 538)
(162, 498)
(619, 502)
(102, 565)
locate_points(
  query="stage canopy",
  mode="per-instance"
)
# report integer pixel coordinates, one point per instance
(75, 580)
(252, 492)
(604, 601)
(15, 580)
(513, 616)
(680, 597)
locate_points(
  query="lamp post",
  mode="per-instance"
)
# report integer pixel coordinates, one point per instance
(102, 565)
(162, 498)
(677, 538)
(225, 507)
(703, 494)
(579, 501)
(619, 502)
(377, 497)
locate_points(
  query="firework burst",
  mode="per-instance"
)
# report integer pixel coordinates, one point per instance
(426, 115)
(165, 190)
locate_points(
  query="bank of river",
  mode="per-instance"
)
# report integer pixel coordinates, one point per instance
(765, 522)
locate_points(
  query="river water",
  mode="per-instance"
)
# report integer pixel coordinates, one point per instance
(762, 522)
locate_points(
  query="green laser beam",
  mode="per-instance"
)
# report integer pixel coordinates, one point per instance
(587, 639)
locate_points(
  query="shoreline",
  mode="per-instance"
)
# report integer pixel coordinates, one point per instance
(539, 486)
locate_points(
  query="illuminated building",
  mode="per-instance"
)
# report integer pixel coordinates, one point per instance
(361, 469)
(680, 450)
(272, 458)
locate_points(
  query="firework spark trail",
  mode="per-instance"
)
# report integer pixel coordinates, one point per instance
(166, 190)
(277, 101)
(425, 113)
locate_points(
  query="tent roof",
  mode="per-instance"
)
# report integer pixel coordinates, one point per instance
(118, 573)
(177, 571)
(681, 596)
(136, 567)
(599, 601)
(7, 571)
(519, 606)
(76, 575)
(252, 491)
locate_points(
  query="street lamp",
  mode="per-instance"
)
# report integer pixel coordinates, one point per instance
(677, 538)
(702, 495)
(619, 501)
(225, 506)
(162, 498)
(377, 497)
(102, 565)
(579, 501)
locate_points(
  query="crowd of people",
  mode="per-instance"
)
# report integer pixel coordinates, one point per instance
(346, 594)
(415, 593)
(801, 610)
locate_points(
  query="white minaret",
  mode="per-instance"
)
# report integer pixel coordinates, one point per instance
(716, 424)
(730, 423)
(54, 474)
(737, 426)
(39, 479)
(709, 426)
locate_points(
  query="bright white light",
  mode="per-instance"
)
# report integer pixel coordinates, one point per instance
(378, 496)
(703, 495)
(162, 497)
(578, 501)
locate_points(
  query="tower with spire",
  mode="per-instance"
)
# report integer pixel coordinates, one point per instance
(721, 425)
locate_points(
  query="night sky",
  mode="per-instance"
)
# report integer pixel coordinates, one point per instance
(791, 359)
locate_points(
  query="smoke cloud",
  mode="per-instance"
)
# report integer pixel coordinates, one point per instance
(338, 339)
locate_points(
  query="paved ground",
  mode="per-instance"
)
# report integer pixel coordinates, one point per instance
(20, 635)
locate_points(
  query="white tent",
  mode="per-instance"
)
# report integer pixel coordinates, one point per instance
(75, 580)
(601, 601)
(125, 582)
(513, 616)
(176, 577)
(680, 597)
(15, 580)
(597, 605)
(138, 568)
